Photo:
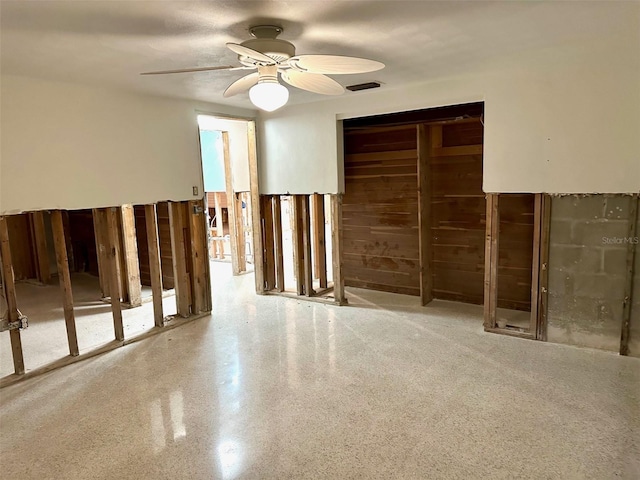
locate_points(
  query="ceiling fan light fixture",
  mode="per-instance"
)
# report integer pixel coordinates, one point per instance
(268, 94)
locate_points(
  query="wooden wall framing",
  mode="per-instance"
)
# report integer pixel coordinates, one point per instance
(539, 269)
(114, 229)
(307, 218)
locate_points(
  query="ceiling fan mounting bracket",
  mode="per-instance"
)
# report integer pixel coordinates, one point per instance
(265, 31)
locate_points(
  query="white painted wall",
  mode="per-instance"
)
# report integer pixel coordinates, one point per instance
(558, 120)
(71, 146)
(238, 148)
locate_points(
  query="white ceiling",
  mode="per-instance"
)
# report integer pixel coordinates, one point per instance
(109, 42)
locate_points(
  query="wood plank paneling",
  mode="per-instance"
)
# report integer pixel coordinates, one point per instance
(457, 213)
(380, 210)
(515, 254)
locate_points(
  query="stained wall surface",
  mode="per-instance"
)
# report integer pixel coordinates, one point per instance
(587, 271)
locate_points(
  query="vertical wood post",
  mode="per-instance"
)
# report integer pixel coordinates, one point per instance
(535, 263)
(543, 290)
(491, 261)
(9, 287)
(425, 140)
(40, 244)
(231, 206)
(155, 267)
(240, 237)
(256, 214)
(67, 233)
(269, 244)
(277, 232)
(178, 249)
(298, 242)
(119, 250)
(319, 240)
(110, 219)
(218, 208)
(64, 279)
(336, 244)
(628, 288)
(306, 243)
(199, 257)
(99, 232)
(131, 272)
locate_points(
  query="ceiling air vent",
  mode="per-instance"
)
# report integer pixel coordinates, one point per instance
(363, 86)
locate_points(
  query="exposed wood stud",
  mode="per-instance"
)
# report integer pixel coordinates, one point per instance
(64, 279)
(543, 291)
(111, 221)
(178, 249)
(435, 138)
(628, 288)
(319, 240)
(535, 270)
(101, 251)
(218, 208)
(120, 262)
(268, 239)
(131, 272)
(336, 244)
(67, 232)
(40, 244)
(298, 242)
(234, 239)
(155, 268)
(198, 256)
(306, 242)
(240, 234)
(424, 209)
(491, 261)
(256, 214)
(8, 284)
(277, 232)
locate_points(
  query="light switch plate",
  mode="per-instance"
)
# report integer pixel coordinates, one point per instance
(195, 191)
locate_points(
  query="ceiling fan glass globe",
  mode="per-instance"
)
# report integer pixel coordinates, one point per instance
(269, 96)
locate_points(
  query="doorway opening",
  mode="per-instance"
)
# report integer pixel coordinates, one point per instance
(225, 147)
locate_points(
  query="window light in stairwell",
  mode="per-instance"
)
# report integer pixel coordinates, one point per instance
(268, 94)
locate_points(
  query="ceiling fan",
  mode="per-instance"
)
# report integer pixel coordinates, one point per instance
(271, 56)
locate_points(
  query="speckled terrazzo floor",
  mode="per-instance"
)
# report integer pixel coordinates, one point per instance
(270, 387)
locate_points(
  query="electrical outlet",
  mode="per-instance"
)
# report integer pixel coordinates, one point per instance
(195, 191)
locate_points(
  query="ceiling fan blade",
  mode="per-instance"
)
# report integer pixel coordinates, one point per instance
(241, 85)
(197, 69)
(312, 82)
(333, 64)
(250, 52)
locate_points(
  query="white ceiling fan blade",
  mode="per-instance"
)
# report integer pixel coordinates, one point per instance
(197, 69)
(249, 52)
(333, 64)
(312, 82)
(241, 85)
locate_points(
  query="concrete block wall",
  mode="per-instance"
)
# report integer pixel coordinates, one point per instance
(587, 272)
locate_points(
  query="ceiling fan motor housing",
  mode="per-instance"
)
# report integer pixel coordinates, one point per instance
(265, 41)
(279, 50)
